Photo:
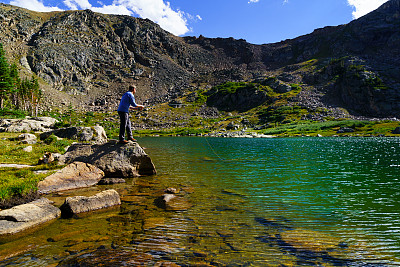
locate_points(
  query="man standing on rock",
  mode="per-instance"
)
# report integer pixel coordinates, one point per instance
(127, 102)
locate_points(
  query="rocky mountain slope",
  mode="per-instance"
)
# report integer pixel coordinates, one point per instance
(86, 60)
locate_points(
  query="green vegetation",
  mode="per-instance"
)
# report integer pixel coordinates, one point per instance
(280, 114)
(16, 183)
(327, 128)
(341, 69)
(233, 87)
(376, 83)
(11, 150)
(21, 182)
(9, 113)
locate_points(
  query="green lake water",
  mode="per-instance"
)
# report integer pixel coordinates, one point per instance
(255, 202)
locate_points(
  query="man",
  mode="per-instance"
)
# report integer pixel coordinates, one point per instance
(127, 102)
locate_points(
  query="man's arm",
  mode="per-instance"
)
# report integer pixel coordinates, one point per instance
(138, 107)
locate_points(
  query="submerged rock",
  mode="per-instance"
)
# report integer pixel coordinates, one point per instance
(172, 202)
(273, 223)
(302, 239)
(79, 204)
(22, 217)
(150, 223)
(114, 159)
(107, 181)
(312, 248)
(74, 175)
(109, 257)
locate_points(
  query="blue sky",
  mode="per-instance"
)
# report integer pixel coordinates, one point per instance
(257, 21)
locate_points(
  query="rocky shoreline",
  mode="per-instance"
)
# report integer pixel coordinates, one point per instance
(86, 164)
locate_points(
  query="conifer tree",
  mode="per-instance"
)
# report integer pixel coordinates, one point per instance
(5, 80)
(16, 84)
(36, 95)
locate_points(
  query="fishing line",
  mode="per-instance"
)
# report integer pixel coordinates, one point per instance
(212, 149)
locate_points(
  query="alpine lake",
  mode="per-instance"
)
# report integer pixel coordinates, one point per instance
(254, 202)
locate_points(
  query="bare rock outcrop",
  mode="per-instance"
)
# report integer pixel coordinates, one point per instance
(114, 159)
(74, 175)
(39, 124)
(95, 134)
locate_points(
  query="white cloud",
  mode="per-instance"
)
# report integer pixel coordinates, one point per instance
(198, 17)
(112, 9)
(159, 12)
(253, 1)
(34, 5)
(77, 4)
(362, 7)
(156, 10)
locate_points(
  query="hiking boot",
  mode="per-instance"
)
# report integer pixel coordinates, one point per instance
(132, 139)
(123, 142)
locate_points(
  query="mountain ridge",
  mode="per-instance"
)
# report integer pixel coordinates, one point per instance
(86, 59)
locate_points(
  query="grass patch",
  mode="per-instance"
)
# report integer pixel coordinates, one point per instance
(12, 151)
(20, 184)
(12, 114)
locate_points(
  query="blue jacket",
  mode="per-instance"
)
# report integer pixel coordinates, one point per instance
(127, 100)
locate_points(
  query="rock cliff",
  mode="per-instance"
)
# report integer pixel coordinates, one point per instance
(86, 59)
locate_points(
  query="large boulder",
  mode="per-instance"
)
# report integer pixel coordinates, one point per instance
(28, 215)
(74, 175)
(396, 131)
(79, 204)
(39, 124)
(95, 134)
(114, 159)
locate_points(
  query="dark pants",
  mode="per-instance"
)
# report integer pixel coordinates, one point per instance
(124, 126)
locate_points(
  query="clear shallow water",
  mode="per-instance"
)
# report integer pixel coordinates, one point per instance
(326, 189)
(256, 202)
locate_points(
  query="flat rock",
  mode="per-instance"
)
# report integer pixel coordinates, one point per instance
(79, 204)
(22, 217)
(114, 159)
(74, 175)
(12, 165)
